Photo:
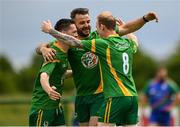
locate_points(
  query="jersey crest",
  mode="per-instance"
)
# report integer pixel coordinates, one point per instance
(89, 60)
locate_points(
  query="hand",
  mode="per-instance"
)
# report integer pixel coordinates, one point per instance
(53, 94)
(46, 26)
(151, 16)
(120, 22)
(48, 53)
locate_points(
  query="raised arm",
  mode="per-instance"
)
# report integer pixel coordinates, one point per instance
(136, 24)
(130, 35)
(67, 39)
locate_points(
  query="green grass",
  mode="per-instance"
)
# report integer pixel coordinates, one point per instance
(14, 110)
(14, 115)
(17, 115)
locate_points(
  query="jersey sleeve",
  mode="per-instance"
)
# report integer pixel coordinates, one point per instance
(174, 86)
(117, 29)
(93, 35)
(48, 68)
(133, 45)
(87, 44)
(52, 42)
(146, 88)
(95, 45)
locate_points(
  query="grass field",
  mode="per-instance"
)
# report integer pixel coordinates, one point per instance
(14, 115)
(14, 111)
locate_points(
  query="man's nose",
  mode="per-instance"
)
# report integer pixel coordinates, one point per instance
(86, 24)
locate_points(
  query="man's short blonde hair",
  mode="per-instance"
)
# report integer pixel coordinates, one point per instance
(107, 19)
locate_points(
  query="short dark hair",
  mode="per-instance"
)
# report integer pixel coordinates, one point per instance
(63, 24)
(109, 22)
(76, 11)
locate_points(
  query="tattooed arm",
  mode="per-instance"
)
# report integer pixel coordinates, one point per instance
(67, 39)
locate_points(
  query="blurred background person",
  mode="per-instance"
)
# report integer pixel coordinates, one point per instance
(162, 93)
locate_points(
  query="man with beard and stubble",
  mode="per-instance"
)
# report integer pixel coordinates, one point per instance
(120, 106)
(84, 64)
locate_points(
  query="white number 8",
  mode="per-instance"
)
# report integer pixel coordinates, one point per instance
(125, 58)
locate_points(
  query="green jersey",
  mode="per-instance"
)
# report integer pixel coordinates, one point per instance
(55, 69)
(115, 56)
(85, 68)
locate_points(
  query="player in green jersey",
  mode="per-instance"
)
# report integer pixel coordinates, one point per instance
(45, 106)
(120, 106)
(85, 64)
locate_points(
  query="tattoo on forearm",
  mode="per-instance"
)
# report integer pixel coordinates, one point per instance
(69, 40)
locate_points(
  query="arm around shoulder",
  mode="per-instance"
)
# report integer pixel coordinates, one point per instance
(42, 45)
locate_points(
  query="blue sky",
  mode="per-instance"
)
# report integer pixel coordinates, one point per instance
(20, 23)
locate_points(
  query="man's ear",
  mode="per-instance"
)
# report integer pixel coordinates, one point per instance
(102, 26)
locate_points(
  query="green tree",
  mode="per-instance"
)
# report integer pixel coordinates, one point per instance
(173, 65)
(143, 68)
(7, 76)
(26, 76)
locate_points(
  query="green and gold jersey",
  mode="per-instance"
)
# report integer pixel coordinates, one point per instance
(85, 68)
(115, 61)
(55, 69)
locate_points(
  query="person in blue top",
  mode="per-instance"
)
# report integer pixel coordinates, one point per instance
(161, 94)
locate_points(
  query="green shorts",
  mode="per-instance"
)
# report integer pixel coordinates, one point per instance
(87, 106)
(119, 110)
(52, 117)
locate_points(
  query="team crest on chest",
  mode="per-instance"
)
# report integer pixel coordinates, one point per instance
(89, 60)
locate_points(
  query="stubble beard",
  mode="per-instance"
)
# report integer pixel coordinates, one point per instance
(82, 34)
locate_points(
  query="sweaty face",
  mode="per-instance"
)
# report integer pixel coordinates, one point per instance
(72, 30)
(83, 24)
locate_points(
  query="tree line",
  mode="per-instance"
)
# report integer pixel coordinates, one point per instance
(144, 68)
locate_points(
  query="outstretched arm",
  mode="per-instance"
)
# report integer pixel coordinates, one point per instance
(67, 39)
(130, 36)
(136, 24)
